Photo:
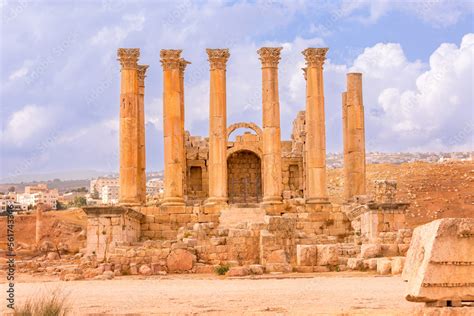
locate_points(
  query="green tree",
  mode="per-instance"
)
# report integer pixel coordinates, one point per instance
(80, 201)
(11, 189)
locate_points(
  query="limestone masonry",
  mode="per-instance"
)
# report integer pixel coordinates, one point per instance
(256, 203)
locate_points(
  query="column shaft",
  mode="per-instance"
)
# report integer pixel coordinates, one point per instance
(272, 177)
(354, 137)
(217, 164)
(172, 128)
(315, 140)
(182, 66)
(141, 133)
(129, 135)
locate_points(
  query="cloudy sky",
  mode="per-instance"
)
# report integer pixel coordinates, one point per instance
(60, 77)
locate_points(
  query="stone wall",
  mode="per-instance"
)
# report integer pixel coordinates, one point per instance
(108, 226)
(244, 177)
(196, 186)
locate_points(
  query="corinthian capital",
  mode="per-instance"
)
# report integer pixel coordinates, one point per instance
(218, 57)
(170, 58)
(269, 56)
(182, 65)
(128, 57)
(142, 74)
(315, 57)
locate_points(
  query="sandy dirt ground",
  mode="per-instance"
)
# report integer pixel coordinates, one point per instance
(323, 294)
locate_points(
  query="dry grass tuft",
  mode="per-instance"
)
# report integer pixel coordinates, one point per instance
(55, 303)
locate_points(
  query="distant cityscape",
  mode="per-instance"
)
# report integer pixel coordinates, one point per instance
(104, 190)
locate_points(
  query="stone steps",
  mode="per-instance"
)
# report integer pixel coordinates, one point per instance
(235, 216)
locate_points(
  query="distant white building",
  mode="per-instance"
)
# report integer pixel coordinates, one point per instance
(110, 194)
(154, 187)
(5, 199)
(96, 185)
(38, 194)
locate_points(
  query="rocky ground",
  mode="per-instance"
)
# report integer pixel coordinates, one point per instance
(434, 190)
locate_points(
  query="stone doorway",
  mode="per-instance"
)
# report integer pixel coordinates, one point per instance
(244, 177)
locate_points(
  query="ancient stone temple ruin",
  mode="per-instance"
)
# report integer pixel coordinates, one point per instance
(256, 200)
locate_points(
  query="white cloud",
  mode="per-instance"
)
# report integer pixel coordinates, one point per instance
(27, 124)
(22, 71)
(116, 34)
(420, 107)
(438, 13)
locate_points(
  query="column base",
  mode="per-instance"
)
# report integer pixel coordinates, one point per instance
(216, 201)
(272, 200)
(173, 201)
(130, 203)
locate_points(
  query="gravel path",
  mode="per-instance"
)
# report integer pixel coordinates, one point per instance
(321, 295)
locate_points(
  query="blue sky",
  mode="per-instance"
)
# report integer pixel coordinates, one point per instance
(60, 78)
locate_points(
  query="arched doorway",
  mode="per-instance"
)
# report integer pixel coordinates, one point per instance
(244, 177)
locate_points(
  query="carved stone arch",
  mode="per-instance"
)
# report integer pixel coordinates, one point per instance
(248, 125)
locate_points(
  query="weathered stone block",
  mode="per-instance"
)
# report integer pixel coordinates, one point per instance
(180, 260)
(368, 251)
(397, 265)
(327, 255)
(306, 255)
(440, 261)
(384, 266)
(355, 263)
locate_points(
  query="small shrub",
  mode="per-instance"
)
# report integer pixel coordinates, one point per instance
(187, 234)
(53, 304)
(222, 269)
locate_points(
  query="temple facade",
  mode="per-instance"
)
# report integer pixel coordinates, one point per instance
(253, 168)
(241, 198)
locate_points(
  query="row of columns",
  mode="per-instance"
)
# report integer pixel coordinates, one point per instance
(132, 133)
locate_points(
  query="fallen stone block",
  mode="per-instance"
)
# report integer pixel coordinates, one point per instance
(327, 255)
(278, 267)
(238, 272)
(440, 262)
(145, 270)
(256, 269)
(355, 263)
(368, 251)
(384, 266)
(397, 265)
(306, 255)
(370, 264)
(180, 260)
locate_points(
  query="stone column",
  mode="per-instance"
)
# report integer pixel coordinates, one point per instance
(129, 135)
(182, 66)
(39, 222)
(354, 137)
(141, 133)
(172, 128)
(272, 177)
(315, 140)
(217, 164)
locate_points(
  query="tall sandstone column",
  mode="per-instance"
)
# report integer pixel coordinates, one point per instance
(129, 131)
(354, 137)
(172, 128)
(182, 66)
(141, 133)
(217, 127)
(272, 177)
(315, 140)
